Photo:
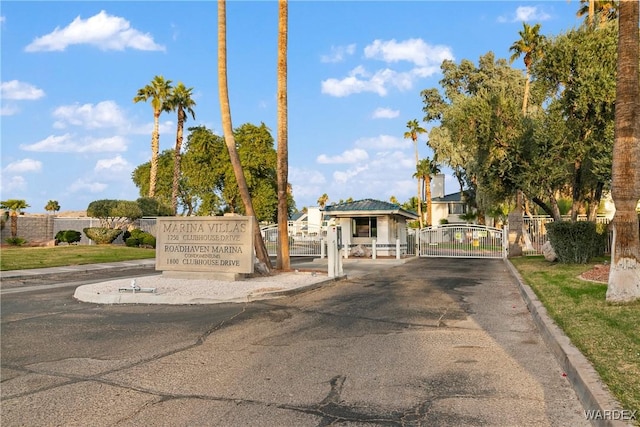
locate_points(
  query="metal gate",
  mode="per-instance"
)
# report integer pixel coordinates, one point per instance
(303, 242)
(462, 241)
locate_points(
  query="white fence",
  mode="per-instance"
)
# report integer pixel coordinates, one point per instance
(535, 232)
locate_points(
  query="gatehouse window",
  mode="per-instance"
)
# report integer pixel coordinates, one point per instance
(364, 227)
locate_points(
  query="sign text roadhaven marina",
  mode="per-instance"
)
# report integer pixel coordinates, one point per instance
(205, 244)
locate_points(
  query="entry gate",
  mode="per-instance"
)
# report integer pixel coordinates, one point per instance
(462, 241)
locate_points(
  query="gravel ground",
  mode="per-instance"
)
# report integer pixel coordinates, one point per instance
(168, 290)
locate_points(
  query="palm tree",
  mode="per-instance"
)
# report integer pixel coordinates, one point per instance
(179, 100)
(322, 200)
(529, 44)
(412, 133)
(283, 261)
(52, 206)
(158, 92)
(428, 168)
(225, 110)
(604, 10)
(624, 276)
(14, 206)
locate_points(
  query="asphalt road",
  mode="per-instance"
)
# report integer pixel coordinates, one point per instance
(433, 342)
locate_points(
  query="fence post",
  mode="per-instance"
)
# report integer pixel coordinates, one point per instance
(397, 248)
(374, 250)
(322, 248)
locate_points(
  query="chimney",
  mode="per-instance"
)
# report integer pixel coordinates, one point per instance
(437, 186)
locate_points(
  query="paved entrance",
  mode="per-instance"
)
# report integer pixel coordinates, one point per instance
(462, 241)
(431, 342)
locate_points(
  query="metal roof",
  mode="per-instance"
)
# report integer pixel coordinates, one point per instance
(368, 206)
(454, 197)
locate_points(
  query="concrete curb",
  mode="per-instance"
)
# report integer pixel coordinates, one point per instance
(586, 382)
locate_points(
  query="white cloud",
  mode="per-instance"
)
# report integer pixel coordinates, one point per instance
(416, 51)
(69, 144)
(385, 113)
(24, 165)
(9, 110)
(101, 115)
(360, 81)
(384, 142)
(18, 90)
(338, 53)
(525, 14)
(114, 165)
(12, 184)
(82, 185)
(104, 31)
(342, 177)
(349, 156)
(167, 127)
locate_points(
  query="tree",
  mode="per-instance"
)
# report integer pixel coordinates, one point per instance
(602, 10)
(114, 213)
(164, 173)
(158, 92)
(394, 200)
(179, 100)
(261, 250)
(479, 121)
(529, 45)
(412, 133)
(624, 275)
(427, 168)
(579, 93)
(322, 200)
(14, 206)
(283, 261)
(52, 206)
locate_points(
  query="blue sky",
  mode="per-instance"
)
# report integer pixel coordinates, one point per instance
(69, 71)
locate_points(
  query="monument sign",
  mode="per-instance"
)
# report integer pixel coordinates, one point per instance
(218, 244)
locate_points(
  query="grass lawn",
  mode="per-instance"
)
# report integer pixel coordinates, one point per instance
(20, 258)
(607, 334)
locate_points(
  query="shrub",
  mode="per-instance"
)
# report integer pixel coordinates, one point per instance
(574, 242)
(138, 237)
(68, 236)
(16, 241)
(102, 235)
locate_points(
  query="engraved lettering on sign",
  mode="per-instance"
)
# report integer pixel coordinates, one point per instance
(202, 244)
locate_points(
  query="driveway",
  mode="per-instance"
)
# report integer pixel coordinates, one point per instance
(431, 342)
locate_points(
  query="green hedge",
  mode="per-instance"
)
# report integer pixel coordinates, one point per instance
(576, 242)
(137, 237)
(68, 236)
(102, 235)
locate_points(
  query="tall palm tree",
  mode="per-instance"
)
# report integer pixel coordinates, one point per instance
(412, 133)
(322, 200)
(157, 91)
(624, 276)
(179, 100)
(605, 10)
(14, 206)
(52, 206)
(225, 110)
(428, 168)
(529, 45)
(283, 261)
